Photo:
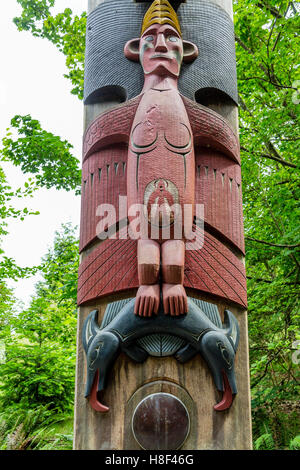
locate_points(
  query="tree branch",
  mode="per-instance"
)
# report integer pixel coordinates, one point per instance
(272, 157)
(285, 182)
(277, 85)
(258, 279)
(278, 159)
(276, 156)
(267, 281)
(266, 369)
(247, 49)
(271, 9)
(271, 244)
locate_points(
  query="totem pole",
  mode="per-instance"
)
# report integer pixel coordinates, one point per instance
(162, 359)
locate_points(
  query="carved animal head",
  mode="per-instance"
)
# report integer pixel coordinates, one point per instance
(101, 355)
(218, 352)
(101, 350)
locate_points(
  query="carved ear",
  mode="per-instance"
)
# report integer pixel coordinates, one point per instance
(131, 49)
(190, 51)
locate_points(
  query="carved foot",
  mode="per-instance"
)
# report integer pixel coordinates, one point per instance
(147, 301)
(174, 299)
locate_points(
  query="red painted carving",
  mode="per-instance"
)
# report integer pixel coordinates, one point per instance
(212, 130)
(104, 179)
(162, 147)
(165, 150)
(161, 138)
(218, 178)
(112, 267)
(148, 296)
(218, 188)
(111, 127)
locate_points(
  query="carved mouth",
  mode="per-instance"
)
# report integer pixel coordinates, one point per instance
(161, 56)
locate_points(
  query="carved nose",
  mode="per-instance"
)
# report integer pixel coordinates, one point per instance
(160, 45)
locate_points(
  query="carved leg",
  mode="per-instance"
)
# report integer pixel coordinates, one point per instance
(147, 298)
(174, 295)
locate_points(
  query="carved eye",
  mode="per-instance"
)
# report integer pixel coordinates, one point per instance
(173, 38)
(149, 38)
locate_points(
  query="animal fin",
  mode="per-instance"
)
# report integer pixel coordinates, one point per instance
(90, 329)
(231, 327)
(112, 311)
(210, 310)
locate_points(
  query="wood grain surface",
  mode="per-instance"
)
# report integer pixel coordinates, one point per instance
(192, 383)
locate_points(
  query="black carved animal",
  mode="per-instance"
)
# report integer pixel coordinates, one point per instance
(216, 345)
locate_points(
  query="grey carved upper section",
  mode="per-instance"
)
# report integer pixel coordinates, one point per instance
(109, 75)
(212, 30)
(109, 27)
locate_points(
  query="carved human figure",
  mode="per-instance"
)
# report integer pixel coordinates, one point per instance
(161, 161)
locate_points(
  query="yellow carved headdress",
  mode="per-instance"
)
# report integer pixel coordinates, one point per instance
(161, 12)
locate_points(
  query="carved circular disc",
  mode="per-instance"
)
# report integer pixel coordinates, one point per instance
(160, 422)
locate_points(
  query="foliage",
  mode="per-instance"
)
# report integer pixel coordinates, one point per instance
(267, 46)
(264, 441)
(60, 267)
(36, 152)
(37, 346)
(8, 196)
(32, 429)
(295, 443)
(65, 31)
(41, 153)
(40, 341)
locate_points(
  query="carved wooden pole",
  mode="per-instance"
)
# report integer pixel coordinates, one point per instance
(162, 358)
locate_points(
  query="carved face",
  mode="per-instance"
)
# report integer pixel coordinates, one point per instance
(161, 50)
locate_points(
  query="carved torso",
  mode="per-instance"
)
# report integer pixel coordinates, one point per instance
(161, 161)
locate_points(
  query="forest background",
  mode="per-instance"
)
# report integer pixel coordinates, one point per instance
(38, 342)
